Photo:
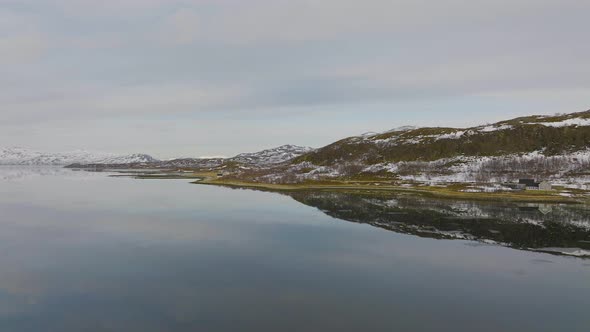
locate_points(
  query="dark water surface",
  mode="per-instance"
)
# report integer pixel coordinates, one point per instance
(84, 252)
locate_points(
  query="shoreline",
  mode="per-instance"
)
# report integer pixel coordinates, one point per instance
(430, 191)
(451, 191)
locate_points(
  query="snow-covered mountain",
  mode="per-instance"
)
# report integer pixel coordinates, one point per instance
(262, 158)
(272, 156)
(21, 156)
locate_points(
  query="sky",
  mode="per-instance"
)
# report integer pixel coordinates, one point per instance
(176, 78)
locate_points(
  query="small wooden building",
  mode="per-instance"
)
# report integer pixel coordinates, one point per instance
(544, 185)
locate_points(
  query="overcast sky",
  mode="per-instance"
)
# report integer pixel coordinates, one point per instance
(219, 77)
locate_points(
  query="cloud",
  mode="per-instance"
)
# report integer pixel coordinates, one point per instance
(182, 27)
(131, 100)
(20, 39)
(280, 21)
(229, 60)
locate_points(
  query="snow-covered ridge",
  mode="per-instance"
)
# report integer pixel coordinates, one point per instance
(566, 123)
(402, 128)
(21, 156)
(491, 128)
(415, 135)
(272, 156)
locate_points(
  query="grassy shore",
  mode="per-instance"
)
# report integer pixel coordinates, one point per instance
(451, 191)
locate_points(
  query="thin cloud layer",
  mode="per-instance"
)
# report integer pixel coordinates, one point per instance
(218, 65)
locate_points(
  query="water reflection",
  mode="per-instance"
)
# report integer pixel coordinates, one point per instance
(560, 229)
(26, 173)
(118, 254)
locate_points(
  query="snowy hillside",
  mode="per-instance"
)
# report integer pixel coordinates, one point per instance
(20, 156)
(272, 156)
(410, 135)
(549, 135)
(555, 148)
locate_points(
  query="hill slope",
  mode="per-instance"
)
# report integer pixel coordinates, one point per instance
(548, 135)
(552, 147)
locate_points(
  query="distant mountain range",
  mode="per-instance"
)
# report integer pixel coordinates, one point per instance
(21, 156)
(264, 158)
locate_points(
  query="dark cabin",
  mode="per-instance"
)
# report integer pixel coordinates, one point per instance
(528, 182)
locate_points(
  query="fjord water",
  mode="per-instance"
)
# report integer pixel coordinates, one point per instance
(83, 251)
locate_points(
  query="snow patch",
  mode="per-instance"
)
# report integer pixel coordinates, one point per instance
(566, 123)
(492, 128)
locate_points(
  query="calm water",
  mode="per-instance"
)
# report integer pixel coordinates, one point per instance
(84, 252)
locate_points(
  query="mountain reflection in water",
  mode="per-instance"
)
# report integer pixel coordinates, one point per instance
(558, 229)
